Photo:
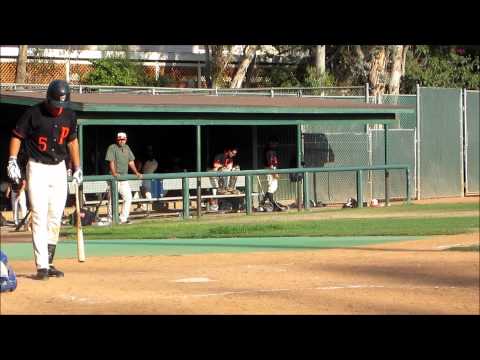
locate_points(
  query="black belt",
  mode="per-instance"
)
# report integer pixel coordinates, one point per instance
(45, 163)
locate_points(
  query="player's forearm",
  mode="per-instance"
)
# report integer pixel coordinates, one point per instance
(133, 167)
(74, 153)
(14, 147)
(111, 165)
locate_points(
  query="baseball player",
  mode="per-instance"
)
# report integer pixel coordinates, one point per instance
(225, 184)
(120, 158)
(272, 162)
(224, 162)
(49, 133)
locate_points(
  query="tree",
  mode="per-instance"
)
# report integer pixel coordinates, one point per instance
(437, 66)
(21, 74)
(398, 68)
(219, 58)
(245, 62)
(320, 59)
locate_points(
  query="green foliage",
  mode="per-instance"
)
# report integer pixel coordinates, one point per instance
(121, 71)
(314, 79)
(280, 76)
(438, 68)
(162, 81)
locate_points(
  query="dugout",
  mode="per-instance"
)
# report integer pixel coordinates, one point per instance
(188, 130)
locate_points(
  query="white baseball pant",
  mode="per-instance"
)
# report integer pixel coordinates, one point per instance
(19, 205)
(47, 191)
(272, 184)
(125, 192)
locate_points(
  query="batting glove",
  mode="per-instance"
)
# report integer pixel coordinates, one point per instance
(13, 170)
(78, 176)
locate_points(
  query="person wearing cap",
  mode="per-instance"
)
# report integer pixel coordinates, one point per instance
(48, 133)
(120, 158)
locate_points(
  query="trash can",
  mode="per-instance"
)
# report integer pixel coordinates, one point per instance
(157, 188)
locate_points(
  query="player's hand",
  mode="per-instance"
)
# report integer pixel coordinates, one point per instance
(78, 176)
(13, 170)
(140, 176)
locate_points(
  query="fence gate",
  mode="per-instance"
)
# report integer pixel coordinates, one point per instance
(440, 147)
(472, 131)
(401, 150)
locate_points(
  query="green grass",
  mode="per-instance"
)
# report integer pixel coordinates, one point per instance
(161, 229)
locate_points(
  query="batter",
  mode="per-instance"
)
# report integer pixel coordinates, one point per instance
(49, 133)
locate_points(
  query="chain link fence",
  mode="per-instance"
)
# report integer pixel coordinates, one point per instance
(438, 169)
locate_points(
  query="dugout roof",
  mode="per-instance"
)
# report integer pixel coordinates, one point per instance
(183, 109)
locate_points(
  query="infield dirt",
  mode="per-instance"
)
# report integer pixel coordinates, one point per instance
(411, 277)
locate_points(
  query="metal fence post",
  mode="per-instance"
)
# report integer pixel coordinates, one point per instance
(186, 198)
(464, 142)
(114, 203)
(367, 91)
(248, 194)
(299, 162)
(387, 173)
(418, 142)
(306, 196)
(359, 189)
(199, 168)
(407, 174)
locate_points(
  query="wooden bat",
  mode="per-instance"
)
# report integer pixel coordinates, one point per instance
(80, 242)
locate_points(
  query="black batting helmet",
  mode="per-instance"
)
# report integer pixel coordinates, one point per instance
(58, 93)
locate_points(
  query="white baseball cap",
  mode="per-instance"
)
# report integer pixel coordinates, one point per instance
(121, 135)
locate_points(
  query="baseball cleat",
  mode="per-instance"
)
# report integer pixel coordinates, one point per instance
(42, 274)
(53, 272)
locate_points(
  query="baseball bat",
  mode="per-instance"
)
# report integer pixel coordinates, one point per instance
(80, 242)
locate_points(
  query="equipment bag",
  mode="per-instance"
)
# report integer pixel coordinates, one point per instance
(87, 217)
(8, 279)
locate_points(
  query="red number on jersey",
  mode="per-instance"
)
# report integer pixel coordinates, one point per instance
(42, 143)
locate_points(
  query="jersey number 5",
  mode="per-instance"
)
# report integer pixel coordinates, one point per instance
(42, 143)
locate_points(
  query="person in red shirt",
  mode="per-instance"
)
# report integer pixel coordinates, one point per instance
(225, 184)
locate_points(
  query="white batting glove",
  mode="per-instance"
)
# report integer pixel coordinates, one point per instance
(13, 170)
(78, 176)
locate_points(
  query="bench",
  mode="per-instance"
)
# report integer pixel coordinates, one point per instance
(101, 187)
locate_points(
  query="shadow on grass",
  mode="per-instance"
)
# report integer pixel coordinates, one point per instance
(471, 248)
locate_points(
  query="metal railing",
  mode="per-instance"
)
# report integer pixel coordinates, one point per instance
(304, 184)
(269, 92)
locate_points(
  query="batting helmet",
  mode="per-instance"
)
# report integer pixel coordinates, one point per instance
(58, 94)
